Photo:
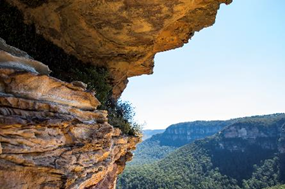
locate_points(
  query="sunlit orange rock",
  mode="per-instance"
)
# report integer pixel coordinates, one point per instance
(122, 35)
(52, 136)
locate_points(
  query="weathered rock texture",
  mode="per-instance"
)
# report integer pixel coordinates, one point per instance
(123, 35)
(51, 135)
(238, 136)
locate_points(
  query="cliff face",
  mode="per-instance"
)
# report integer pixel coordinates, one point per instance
(237, 135)
(161, 145)
(51, 135)
(122, 35)
(184, 133)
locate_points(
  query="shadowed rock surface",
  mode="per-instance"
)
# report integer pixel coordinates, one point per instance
(122, 35)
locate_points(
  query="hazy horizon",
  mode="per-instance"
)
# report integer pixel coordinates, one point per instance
(210, 120)
(233, 69)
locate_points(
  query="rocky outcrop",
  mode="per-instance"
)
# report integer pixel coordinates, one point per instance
(122, 35)
(19, 60)
(12, 50)
(241, 135)
(51, 134)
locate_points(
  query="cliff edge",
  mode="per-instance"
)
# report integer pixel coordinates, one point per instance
(51, 134)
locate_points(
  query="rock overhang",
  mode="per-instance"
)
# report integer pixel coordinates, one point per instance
(122, 35)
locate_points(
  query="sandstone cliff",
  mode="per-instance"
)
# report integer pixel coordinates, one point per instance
(240, 135)
(183, 133)
(122, 35)
(51, 135)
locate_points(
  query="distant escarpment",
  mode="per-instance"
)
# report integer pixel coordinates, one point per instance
(51, 133)
(183, 133)
(121, 35)
(248, 154)
(160, 145)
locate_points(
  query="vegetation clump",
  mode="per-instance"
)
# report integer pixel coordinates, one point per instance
(64, 67)
(121, 114)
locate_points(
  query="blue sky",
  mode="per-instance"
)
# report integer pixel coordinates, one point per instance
(233, 69)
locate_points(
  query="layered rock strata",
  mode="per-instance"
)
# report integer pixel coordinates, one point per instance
(268, 137)
(122, 35)
(52, 135)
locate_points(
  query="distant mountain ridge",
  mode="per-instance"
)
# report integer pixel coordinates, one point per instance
(183, 133)
(160, 145)
(176, 135)
(247, 154)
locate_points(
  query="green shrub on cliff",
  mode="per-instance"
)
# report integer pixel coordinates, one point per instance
(121, 115)
(95, 78)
